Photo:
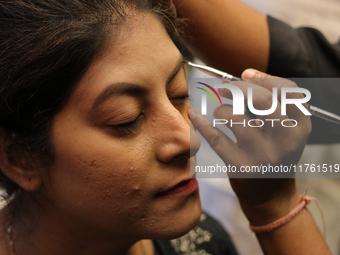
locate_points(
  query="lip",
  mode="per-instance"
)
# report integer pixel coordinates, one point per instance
(181, 189)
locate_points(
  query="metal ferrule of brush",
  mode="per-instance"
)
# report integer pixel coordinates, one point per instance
(228, 78)
(316, 111)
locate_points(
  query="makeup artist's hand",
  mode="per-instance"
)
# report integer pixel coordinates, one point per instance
(266, 200)
(271, 144)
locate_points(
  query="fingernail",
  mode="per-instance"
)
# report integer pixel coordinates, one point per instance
(249, 74)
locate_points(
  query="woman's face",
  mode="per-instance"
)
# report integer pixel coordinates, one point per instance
(122, 141)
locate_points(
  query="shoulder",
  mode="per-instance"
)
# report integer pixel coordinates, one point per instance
(208, 237)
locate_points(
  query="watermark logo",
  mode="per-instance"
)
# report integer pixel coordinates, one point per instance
(239, 107)
(204, 97)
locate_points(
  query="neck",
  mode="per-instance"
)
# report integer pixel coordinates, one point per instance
(52, 236)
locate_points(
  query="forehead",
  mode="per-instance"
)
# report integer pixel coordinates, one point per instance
(141, 53)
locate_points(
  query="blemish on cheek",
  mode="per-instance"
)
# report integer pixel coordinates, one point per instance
(136, 189)
(131, 172)
(92, 163)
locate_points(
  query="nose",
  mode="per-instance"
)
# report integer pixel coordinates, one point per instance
(177, 139)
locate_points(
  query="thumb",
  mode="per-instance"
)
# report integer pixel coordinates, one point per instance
(255, 74)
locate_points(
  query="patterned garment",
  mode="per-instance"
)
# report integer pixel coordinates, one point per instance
(207, 238)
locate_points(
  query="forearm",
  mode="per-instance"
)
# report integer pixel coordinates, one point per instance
(297, 237)
(226, 34)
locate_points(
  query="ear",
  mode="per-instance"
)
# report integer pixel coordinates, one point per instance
(18, 166)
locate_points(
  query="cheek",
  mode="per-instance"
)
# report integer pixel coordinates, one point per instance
(94, 174)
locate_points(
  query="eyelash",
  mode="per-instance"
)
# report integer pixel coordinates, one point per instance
(181, 99)
(129, 127)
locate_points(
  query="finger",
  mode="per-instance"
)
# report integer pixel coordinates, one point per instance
(269, 82)
(247, 132)
(253, 74)
(263, 103)
(219, 142)
(195, 141)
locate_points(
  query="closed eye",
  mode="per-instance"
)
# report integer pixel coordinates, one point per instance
(129, 127)
(180, 99)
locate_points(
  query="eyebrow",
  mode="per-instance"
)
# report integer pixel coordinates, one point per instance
(179, 66)
(130, 88)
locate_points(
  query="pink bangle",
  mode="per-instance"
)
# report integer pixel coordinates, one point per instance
(305, 200)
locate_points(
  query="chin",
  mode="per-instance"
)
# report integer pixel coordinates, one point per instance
(182, 222)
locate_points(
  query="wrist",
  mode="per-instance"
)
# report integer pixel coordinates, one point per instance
(271, 210)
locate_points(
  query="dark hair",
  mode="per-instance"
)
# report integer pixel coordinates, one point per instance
(45, 48)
